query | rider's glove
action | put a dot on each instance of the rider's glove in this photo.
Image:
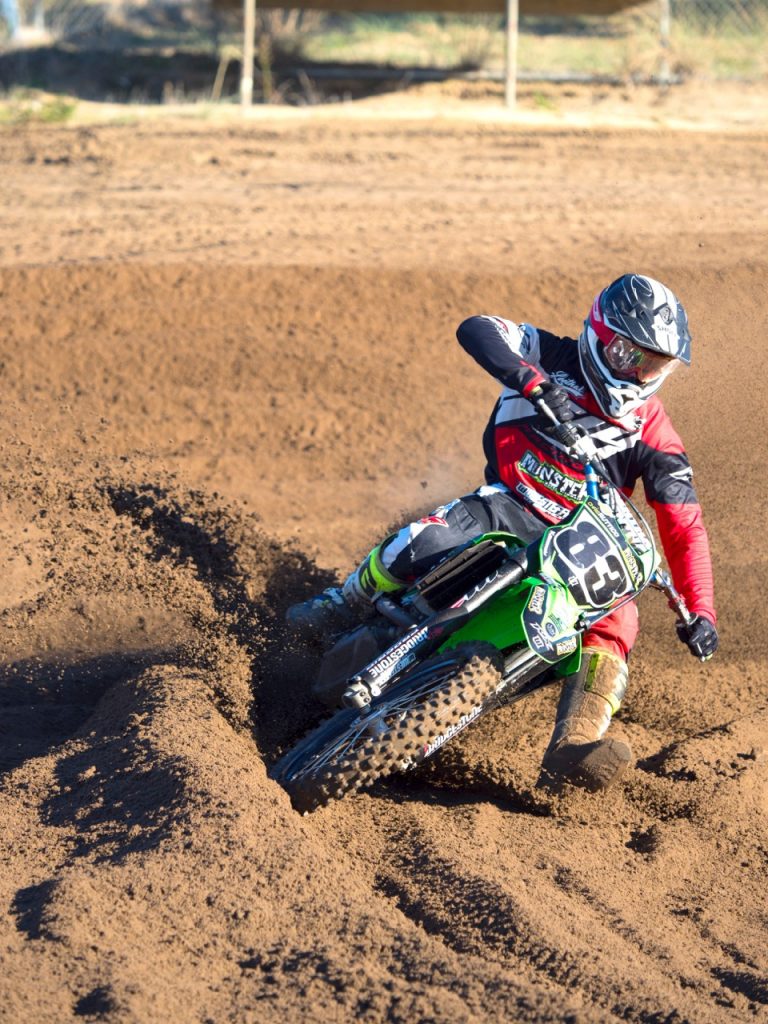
(557, 399)
(700, 635)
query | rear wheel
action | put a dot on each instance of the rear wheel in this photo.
(405, 725)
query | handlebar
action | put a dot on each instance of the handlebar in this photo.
(574, 439)
(661, 581)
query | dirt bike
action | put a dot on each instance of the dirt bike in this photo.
(493, 622)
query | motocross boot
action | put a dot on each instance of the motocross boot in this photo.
(577, 751)
(338, 609)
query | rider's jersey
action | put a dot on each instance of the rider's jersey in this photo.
(542, 476)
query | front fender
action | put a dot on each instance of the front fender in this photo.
(530, 614)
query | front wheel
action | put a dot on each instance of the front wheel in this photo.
(404, 726)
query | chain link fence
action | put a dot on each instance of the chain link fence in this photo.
(720, 38)
(660, 40)
(663, 39)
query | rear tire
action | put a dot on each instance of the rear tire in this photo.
(407, 724)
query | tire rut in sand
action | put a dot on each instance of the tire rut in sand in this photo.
(221, 887)
(560, 917)
(472, 915)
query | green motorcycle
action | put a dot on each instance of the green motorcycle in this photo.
(491, 623)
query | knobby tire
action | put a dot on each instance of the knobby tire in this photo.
(436, 699)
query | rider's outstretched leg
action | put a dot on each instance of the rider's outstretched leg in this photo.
(578, 751)
(340, 608)
(408, 554)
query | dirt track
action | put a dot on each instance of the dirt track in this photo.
(228, 365)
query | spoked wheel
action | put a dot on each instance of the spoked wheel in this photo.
(405, 725)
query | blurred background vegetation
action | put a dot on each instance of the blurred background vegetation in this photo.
(147, 51)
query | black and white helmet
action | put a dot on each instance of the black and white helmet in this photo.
(635, 335)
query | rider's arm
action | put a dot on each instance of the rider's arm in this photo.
(509, 352)
(686, 547)
(667, 477)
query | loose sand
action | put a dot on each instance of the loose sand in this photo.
(228, 365)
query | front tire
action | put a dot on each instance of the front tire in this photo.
(407, 724)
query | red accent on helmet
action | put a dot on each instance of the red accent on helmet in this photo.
(598, 325)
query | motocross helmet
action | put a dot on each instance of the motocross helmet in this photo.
(636, 334)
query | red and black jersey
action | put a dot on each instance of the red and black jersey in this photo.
(542, 477)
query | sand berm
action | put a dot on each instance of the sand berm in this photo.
(228, 364)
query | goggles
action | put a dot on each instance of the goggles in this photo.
(633, 363)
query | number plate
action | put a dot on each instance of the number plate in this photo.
(592, 558)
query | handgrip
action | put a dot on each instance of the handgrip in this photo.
(570, 436)
(567, 435)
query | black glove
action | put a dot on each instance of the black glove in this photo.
(700, 635)
(557, 399)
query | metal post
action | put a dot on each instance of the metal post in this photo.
(9, 12)
(665, 27)
(510, 89)
(249, 33)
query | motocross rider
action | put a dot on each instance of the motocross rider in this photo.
(605, 382)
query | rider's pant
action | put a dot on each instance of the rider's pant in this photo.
(418, 547)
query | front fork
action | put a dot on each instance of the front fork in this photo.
(660, 580)
(423, 638)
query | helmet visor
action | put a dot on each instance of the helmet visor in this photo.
(633, 363)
